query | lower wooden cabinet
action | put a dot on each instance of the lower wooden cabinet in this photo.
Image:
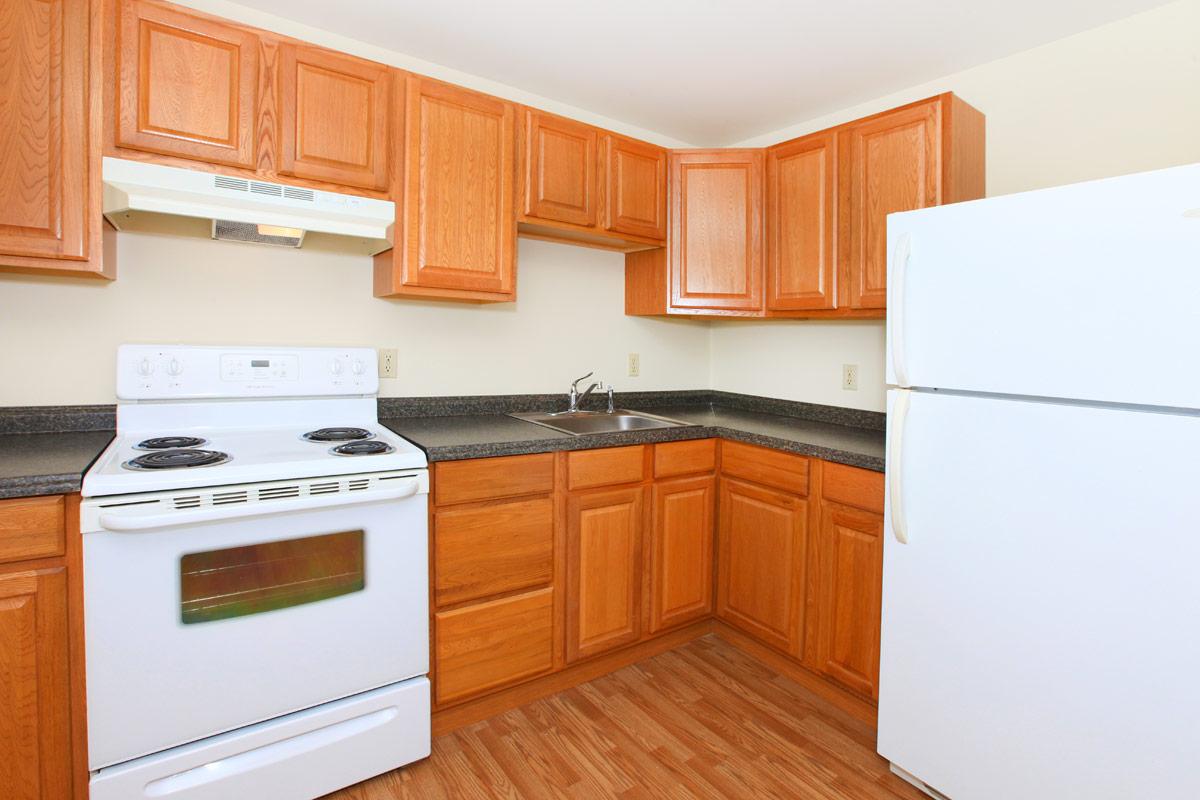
(489, 645)
(681, 551)
(763, 537)
(604, 570)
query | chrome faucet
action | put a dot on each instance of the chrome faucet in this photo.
(574, 398)
(611, 409)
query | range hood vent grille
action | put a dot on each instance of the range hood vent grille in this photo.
(235, 184)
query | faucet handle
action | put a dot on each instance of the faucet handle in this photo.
(575, 383)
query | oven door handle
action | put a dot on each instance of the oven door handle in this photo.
(132, 522)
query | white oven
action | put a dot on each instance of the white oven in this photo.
(210, 610)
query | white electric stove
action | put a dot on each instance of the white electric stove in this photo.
(256, 579)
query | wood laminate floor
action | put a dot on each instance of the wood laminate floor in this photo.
(701, 721)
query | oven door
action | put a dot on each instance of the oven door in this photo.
(202, 619)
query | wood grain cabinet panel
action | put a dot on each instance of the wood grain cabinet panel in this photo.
(635, 187)
(681, 551)
(716, 249)
(481, 551)
(478, 479)
(485, 646)
(458, 214)
(761, 570)
(685, 458)
(35, 726)
(608, 466)
(891, 163)
(785, 471)
(559, 177)
(852, 486)
(801, 181)
(186, 85)
(604, 576)
(849, 595)
(334, 117)
(32, 527)
(49, 178)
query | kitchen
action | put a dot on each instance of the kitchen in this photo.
(771, 424)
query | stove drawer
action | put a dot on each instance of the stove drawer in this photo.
(305, 754)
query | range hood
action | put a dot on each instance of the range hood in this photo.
(152, 197)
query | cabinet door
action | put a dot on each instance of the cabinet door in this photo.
(801, 179)
(849, 590)
(681, 551)
(460, 221)
(485, 646)
(560, 159)
(717, 230)
(635, 188)
(186, 85)
(44, 157)
(35, 726)
(890, 163)
(334, 117)
(604, 576)
(762, 545)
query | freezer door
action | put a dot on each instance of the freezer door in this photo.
(1086, 292)
(1039, 627)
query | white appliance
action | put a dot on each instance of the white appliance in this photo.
(255, 581)
(1040, 597)
(139, 195)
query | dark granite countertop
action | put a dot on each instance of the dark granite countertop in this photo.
(47, 463)
(450, 438)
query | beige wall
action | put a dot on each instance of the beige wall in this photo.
(568, 319)
(1121, 98)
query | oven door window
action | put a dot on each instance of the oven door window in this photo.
(239, 581)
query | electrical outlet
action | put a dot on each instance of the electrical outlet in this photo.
(850, 377)
(387, 363)
(635, 365)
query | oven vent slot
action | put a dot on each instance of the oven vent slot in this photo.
(189, 501)
(229, 498)
(331, 487)
(278, 492)
(359, 484)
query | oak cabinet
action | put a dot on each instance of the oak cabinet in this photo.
(761, 573)
(801, 186)
(681, 551)
(559, 159)
(604, 570)
(456, 220)
(920, 155)
(186, 85)
(49, 170)
(635, 198)
(334, 117)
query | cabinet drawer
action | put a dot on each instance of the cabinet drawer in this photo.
(490, 550)
(31, 528)
(493, 478)
(763, 465)
(685, 458)
(608, 467)
(488, 645)
(851, 486)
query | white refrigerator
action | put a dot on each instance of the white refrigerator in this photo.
(1041, 579)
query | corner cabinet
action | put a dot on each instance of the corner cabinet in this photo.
(50, 67)
(801, 187)
(455, 206)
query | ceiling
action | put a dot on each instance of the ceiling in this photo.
(706, 72)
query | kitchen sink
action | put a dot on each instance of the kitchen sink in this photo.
(581, 423)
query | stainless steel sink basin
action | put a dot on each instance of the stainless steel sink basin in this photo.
(580, 423)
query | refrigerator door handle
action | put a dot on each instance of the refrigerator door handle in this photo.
(900, 258)
(895, 471)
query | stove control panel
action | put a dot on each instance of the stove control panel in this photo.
(166, 372)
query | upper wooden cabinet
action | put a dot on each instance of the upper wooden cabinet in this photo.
(186, 85)
(716, 247)
(456, 222)
(559, 159)
(920, 155)
(49, 171)
(801, 185)
(334, 117)
(635, 188)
